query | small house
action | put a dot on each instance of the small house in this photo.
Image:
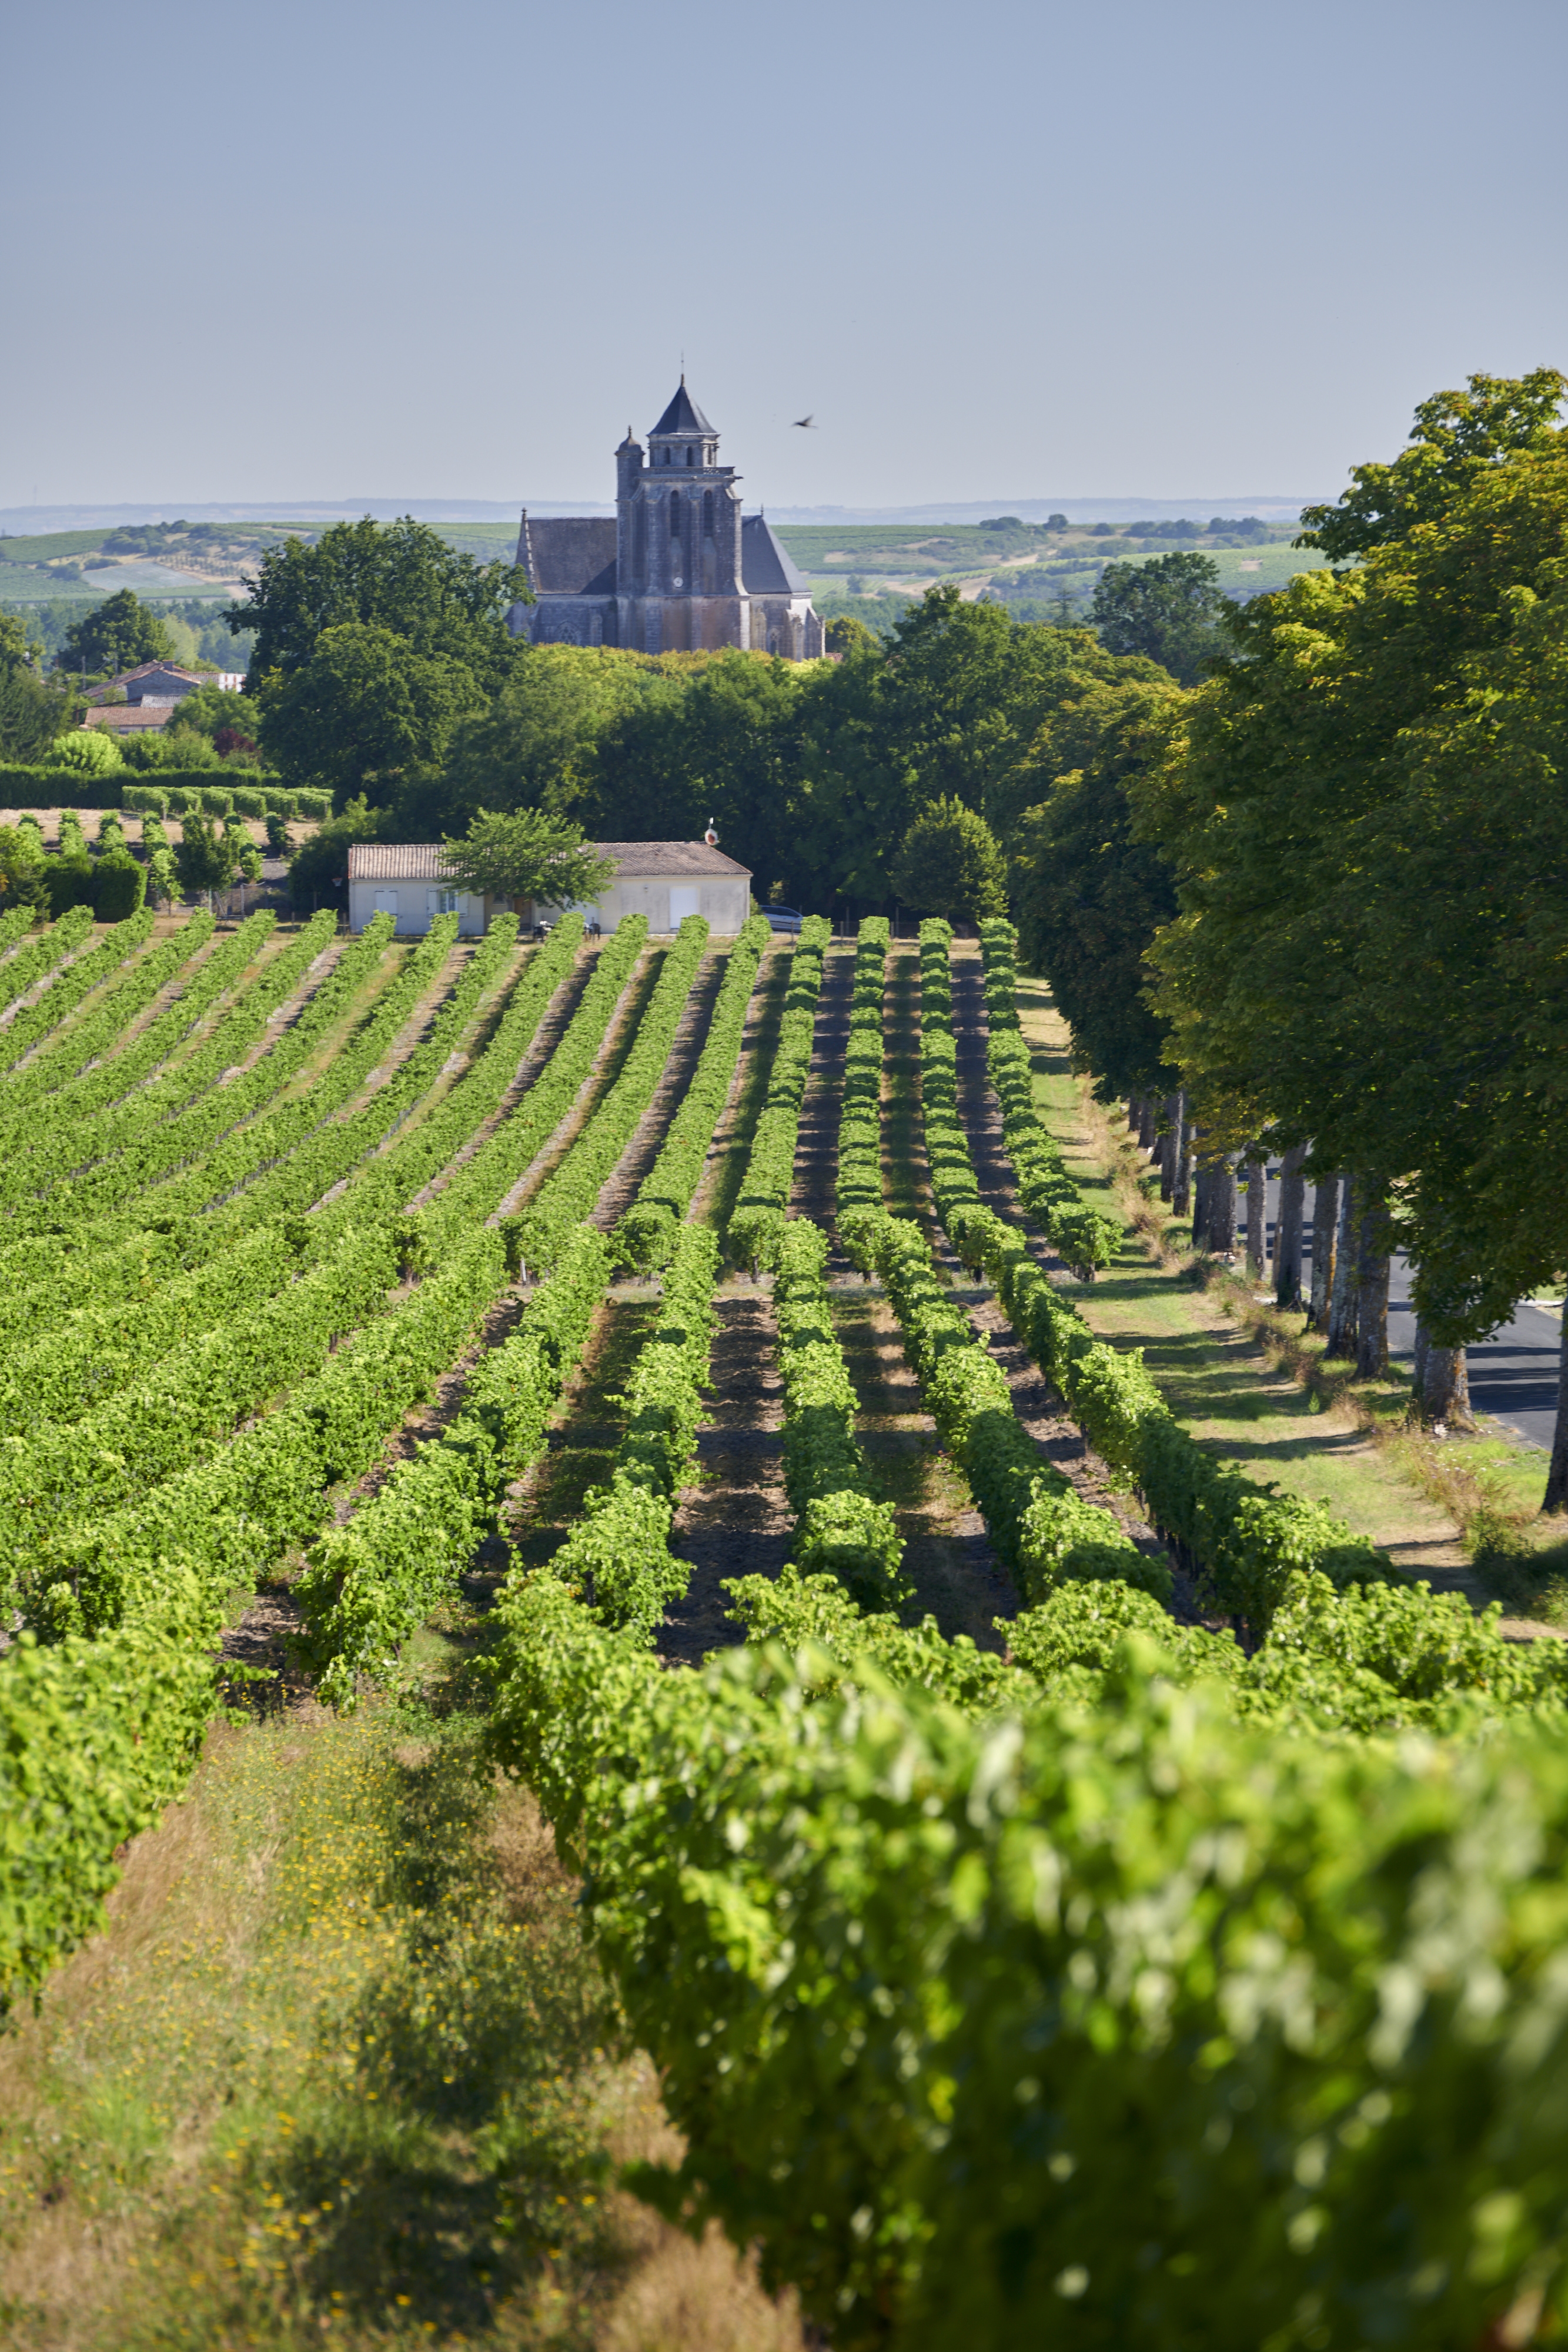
(665, 880)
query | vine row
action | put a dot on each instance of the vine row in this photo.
(758, 1219)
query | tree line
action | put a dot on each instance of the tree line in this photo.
(1317, 904)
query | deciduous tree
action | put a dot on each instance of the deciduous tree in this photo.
(1087, 896)
(527, 853)
(1170, 610)
(400, 577)
(364, 706)
(117, 635)
(948, 864)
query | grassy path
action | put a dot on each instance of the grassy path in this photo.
(342, 2071)
(1213, 1375)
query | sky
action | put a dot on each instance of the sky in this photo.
(1187, 250)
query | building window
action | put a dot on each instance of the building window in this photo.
(691, 454)
(707, 514)
(674, 514)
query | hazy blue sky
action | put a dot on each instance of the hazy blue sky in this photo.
(325, 248)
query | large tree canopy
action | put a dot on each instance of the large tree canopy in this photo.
(948, 864)
(401, 577)
(117, 635)
(527, 853)
(1088, 897)
(1170, 610)
(1457, 436)
(1369, 820)
(365, 705)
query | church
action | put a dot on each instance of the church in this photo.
(678, 569)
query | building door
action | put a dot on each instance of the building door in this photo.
(386, 903)
(685, 899)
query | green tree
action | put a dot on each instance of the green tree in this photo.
(1170, 610)
(1456, 438)
(32, 711)
(715, 743)
(844, 631)
(536, 745)
(204, 860)
(364, 706)
(68, 878)
(210, 711)
(118, 886)
(23, 880)
(162, 878)
(398, 577)
(86, 752)
(1367, 813)
(117, 635)
(1089, 898)
(527, 853)
(948, 864)
(318, 865)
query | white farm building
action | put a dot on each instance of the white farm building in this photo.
(665, 880)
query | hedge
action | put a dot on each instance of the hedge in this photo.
(172, 788)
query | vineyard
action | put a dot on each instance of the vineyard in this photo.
(1061, 1881)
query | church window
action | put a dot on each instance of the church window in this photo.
(674, 514)
(691, 454)
(707, 514)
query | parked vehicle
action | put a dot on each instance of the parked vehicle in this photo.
(783, 919)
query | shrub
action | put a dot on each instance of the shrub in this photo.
(316, 806)
(181, 798)
(86, 752)
(248, 802)
(145, 800)
(119, 887)
(283, 804)
(70, 881)
(217, 800)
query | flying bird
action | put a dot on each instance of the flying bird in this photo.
(806, 425)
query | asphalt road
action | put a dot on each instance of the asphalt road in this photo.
(1513, 1375)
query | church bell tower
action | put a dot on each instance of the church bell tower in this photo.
(678, 535)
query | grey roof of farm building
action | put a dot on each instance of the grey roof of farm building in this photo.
(682, 415)
(636, 859)
(418, 861)
(391, 861)
(767, 570)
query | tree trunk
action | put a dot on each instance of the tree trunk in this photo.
(1342, 1293)
(1418, 1365)
(1221, 1225)
(1170, 1136)
(1135, 1112)
(1146, 1136)
(1556, 1497)
(1257, 1219)
(1181, 1178)
(1372, 1287)
(1445, 1390)
(1202, 1188)
(1288, 1234)
(1325, 1208)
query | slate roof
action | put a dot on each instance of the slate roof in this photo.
(766, 570)
(569, 555)
(130, 680)
(682, 415)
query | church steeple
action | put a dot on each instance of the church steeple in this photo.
(683, 435)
